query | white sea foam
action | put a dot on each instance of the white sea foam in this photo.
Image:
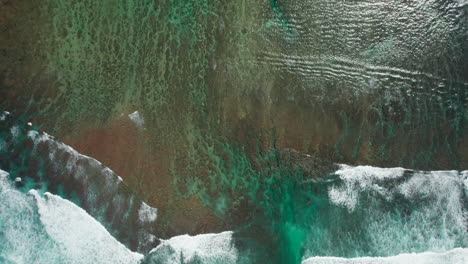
(4, 115)
(462, 3)
(74, 156)
(137, 119)
(440, 185)
(48, 229)
(99, 187)
(147, 214)
(23, 239)
(80, 236)
(205, 248)
(454, 256)
(358, 179)
(14, 131)
(404, 210)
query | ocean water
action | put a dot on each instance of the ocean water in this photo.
(426, 224)
(353, 214)
(39, 161)
(247, 131)
(45, 228)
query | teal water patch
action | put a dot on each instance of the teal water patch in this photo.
(281, 19)
(278, 200)
(279, 204)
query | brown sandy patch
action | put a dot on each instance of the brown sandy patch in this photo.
(126, 149)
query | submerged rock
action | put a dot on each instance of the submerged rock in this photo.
(312, 166)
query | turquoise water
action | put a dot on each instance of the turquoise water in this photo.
(352, 212)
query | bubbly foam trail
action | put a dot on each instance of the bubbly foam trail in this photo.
(205, 248)
(49, 229)
(454, 256)
(80, 236)
(137, 119)
(359, 179)
(95, 187)
(390, 182)
(371, 211)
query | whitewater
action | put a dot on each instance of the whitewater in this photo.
(371, 215)
(45, 228)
